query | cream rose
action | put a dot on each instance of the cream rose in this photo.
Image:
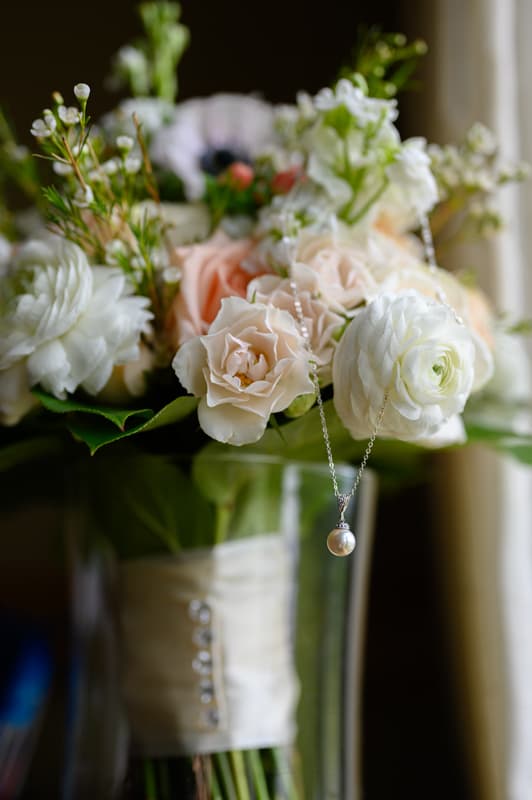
(412, 350)
(220, 267)
(252, 363)
(344, 279)
(322, 323)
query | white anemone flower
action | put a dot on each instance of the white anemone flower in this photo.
(209, 134)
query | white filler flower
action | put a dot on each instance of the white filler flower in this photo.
(415, 351)
(70, 322)
(252, 363)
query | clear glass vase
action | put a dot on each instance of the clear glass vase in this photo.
(240, 636)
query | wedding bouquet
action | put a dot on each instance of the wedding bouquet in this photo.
(223, 272)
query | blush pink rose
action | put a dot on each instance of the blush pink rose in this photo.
(217, 268)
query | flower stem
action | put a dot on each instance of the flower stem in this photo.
(239, 771)
(223, 516)
(150, 783)
(225, 776)
(259, 779)
(283, 770)
(164, 779)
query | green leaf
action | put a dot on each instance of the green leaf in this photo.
(146, 504)
(119, 417)
(97, 426)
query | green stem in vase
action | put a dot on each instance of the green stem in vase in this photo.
(150, 782)
(216, 791)
(283, 770)
(226, 777)
(239, 771)
(257, 771)
(164, 779)
(223, 518)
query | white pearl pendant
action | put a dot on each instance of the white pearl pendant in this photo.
(341, 540)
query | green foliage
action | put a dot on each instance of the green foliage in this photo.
(386, 61)
(98, 426)
(146, 504)
(149, 65)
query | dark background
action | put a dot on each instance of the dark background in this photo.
(410, 738)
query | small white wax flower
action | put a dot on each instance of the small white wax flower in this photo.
(83, 197)
(114, 250)
(60, 168)
(414, 352)
(68, 116)
(124, 143)
(49, 119)
(111, 166)
(40, 129)
(82, 91)
(132, 165)
(252, 363)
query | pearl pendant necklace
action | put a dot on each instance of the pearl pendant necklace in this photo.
(341, 540)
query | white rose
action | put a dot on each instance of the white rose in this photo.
(15, 396)
(322, 323)
(412, 350)
(252, 363)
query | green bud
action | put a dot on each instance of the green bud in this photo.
(300, 405)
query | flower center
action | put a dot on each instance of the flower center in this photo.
(215, 160)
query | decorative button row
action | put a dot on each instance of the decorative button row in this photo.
(200, 612)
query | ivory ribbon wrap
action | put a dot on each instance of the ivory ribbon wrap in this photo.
(208, 657)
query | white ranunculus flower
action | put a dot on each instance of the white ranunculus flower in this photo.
(47, 288)
(106, 334)
(252, 363)
(208, 134)
(322, 323)
(68, 322)
(412, 191)
(451, 433)
(406, 273)
(413, 350)
(15, 396)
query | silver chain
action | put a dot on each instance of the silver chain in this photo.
(430, 254)
(343, 498)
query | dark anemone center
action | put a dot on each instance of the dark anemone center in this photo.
(215, 160)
